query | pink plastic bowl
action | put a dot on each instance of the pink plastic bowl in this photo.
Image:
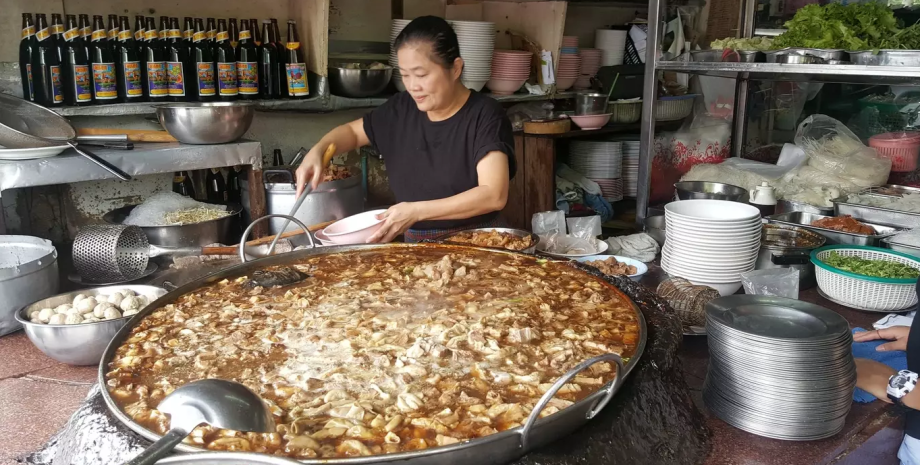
(355, 229)
(902, 148)
(323, 238)
(591, 122)
(505, 86)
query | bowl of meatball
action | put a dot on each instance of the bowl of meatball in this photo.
(75, 327)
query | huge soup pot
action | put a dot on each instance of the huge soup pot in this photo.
(28, 273)
(495, 449)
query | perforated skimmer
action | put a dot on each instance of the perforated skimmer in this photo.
(111, 252)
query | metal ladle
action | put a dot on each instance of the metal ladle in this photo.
(215, 402)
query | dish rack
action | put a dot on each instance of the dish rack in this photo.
(865, 292)
(674, 108)
(625, 112)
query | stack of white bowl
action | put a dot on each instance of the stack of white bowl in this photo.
(613, 44)
(630, 168)
(477, 41)
(397, 26)
(711, 242)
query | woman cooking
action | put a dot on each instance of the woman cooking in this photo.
(449, 152)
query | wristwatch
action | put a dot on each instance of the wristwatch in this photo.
(900, 385)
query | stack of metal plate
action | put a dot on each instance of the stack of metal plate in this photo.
(779, 368)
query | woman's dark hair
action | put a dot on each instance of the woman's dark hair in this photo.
(435, 32)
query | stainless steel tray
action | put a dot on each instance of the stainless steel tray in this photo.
(891, 190)
(876, 215)
(886, 57)
(789, 206)
(516, 232)
(903, 248)
(804, 220)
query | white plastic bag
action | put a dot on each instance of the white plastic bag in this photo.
(833, 149)
(546, 223)
(781, 282)
(586, 227)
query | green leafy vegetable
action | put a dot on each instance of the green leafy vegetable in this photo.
(874, 268)
(754, 43)
(857, 26)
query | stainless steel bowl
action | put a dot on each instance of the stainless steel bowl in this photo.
(516, 232)
(688, 190)
(358, 83)
(218, 231)
(590, 103)
(655, 227)
(206, 123)
(81, 344)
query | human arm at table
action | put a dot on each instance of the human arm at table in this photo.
(346, 137)
(489, 196)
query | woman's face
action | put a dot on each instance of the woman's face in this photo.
(427, 81)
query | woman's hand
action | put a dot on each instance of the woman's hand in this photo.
(311, 168)
(397, 219)
(896, 334)
(872, 377)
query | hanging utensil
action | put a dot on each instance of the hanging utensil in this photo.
(131, 135)
(299, 157)
(327, 157)
(24, 124)
(215, 402)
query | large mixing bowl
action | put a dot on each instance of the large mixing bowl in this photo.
(358, 83)
(206, 123)
(689, 190)
(84, 343)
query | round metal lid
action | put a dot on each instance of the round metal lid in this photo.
(776, 317)
(21, 255)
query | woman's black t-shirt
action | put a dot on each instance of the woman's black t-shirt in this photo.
(912, 424)
(428, 160)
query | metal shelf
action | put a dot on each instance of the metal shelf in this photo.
(852, 74)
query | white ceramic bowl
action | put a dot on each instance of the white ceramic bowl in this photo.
(355, 229)
(711, 243)
(641, 268)
(724, 289)
(712, 210)
(712, 269)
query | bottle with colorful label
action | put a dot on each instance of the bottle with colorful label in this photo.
(295, 65)
(46, 66)
(178, 70)
(113, 32)
(247, 63)
(270, 64)
(203, 60)
(57, 34)
(86, 33)
(128, 65)
(26, 46)
(225, 61)
(155, 59)
(234, 31)
(102, 62)
(78, 81)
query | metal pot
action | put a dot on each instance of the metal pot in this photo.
(331, 201)
(590, 104)
(789, 247)
(28, 272)
(493, 449)
(219, 231)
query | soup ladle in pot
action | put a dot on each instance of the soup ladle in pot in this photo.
(215, 402)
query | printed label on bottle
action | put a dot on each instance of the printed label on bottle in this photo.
(222, 36)
(212, 33)
(113, 34)
(247, 72)
(124, 35)
(233, 44)
(297, 79)
(163, 34)
(82, 85)
(206, 79)
(133, 86)
(157, 82)
(151, 35)
(226, 79)
(187, 34)
(293, 45)
(139, 34)
(57, 92)
(199, 36)
(71, 34)
(244, 34)
(57, 29)
(31, 89)
(174, 34)
(176, 79)
(98, 35)
(86, 32)
(42, 35)
(28, 31)
(104, 82)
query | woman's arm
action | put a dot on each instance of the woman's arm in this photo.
(489, 196)
(346, 137)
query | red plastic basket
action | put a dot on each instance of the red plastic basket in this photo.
(902, 148)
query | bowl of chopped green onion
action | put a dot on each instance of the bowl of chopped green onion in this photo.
(867, 278)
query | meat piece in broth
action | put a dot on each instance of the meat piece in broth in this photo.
(278, 276)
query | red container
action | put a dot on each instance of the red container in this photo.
(902, 148)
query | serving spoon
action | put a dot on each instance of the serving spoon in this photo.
(215, 402)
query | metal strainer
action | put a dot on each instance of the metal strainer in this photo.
(111, 252)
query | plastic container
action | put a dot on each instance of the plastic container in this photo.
(625, 112)
(865, 292)
(674, 108)
(902, 148)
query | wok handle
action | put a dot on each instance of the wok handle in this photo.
(160, 449)
(306, 230)
(597, 407)
(95, 159)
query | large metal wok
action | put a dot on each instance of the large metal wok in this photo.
(495, 449)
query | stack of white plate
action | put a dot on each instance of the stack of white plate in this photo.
(477, 41)
(711, 242)
(630, 168)
(613, 44)
(396, 27)
(779, 367)
(597, 159)
(611, 189)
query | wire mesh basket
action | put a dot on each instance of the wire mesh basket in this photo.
(861, 291)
